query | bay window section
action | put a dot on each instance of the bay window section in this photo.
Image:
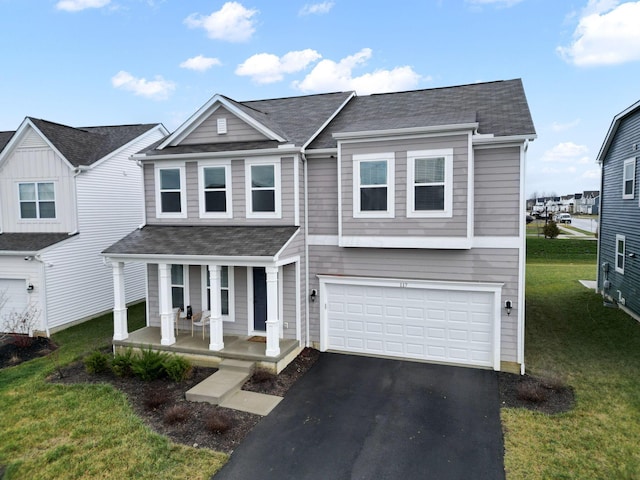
(373, 188)
(429, 188)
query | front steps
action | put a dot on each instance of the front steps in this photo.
(224, 388)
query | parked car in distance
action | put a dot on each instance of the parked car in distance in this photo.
(563, 218)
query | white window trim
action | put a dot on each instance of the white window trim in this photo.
(183, 189)
(227, 179)
(204, 272)
(633, 179)
(248, 190)
(37, 218)
(447, 153)
(618, 253)
(185, 286)
(388, 157)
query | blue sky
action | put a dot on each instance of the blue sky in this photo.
(103, 62)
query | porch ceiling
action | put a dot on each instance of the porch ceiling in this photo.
(222, 241)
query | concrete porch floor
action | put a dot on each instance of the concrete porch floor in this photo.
(196, 349)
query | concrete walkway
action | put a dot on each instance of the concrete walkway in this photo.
(224, 388)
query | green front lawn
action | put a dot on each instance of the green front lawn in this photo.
(571, 335)
(50, 431)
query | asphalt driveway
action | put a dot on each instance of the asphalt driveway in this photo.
(356, 417)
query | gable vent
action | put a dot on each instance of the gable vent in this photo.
(222, 126)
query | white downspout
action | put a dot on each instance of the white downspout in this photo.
(144, 203)
(42, 293)
(306, 247)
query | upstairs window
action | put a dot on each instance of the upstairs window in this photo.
(170, 202)
(628, 178)
(429, 189)
(37, 200)
(263, 189)
(620, 253)
(373, 185)
(215, 191)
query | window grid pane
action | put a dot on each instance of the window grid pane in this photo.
(429, 170)
(27, 191)
(170, 179)
(373, 199)
(215, 201)
(214, 177)
(263, 176)
(373, 173)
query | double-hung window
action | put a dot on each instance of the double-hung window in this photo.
(620, 253)
(263, 188)
(629, 178)
(215, 190)
(429, 189)
(170, 192)
(37, 200)
(374, 185)
(226, 291)
(177, 286)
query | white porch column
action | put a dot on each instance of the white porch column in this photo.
(273, 323)
(120, 331)
(167, 318)
(216, 341)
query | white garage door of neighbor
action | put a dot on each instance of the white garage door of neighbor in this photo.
(449, 326)
(14, 293)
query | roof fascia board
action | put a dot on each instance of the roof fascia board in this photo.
(286, 244)
(17, 137)
(321, 152)
(203, 113)
(368, 134)
(223, 154)
(613, 128)
(194, 259)
(331, 117)
(513, 139)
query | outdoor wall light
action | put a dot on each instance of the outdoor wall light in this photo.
(313, 295)
(30, 288)
(508, 306)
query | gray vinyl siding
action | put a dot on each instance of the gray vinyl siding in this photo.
(238, 193)
(322, 181)
(621, 216)
(497, 192)
(401, 225)
(237, 130)
(477, 265)
(289, 311)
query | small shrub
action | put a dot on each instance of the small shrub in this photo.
(21, 340)
(551, 230)
(177, 368)
(97, 362)
(155, 398)
(149, 365)
(122, 362)
(176, 414)
(532, 392)
(263, 376)
(218, 422)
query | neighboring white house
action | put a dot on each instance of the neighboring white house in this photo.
(65, 194)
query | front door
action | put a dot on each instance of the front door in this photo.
(259, 299)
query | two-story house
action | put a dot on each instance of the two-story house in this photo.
(619, 229)
(387, 225)
(66, 194)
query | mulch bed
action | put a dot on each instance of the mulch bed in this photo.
(20, 348)
(160, 401)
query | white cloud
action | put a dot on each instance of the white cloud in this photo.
(562, 127)
(157, 89)
(329, 76)
(607, 34)
(593, 174)
(497, 3)
(316, 8)
(78, 5)
(232, 23)
(200, 63)
(567, 152)
(269, 68)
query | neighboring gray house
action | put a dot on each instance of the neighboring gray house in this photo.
(619, 229)
(66, 194)
(387, 225)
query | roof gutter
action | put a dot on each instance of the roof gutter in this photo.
(286, 149)
(394, 132)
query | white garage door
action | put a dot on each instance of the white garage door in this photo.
(14, 294)
(451, 326)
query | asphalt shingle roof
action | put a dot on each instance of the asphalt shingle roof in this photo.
(29, 242)
(86, 145)
(227, 241)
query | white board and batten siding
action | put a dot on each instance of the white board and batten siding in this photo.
(110, 206)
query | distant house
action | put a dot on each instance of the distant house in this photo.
(588, 202)
(386, 225)
(65, 194)
(619, 230)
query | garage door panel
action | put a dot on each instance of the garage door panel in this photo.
(431, 324)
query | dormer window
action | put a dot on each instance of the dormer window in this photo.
(37, 200)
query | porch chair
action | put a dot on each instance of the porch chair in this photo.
(200, 319)
(178, 315)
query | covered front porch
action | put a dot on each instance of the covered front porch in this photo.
(196, 349)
